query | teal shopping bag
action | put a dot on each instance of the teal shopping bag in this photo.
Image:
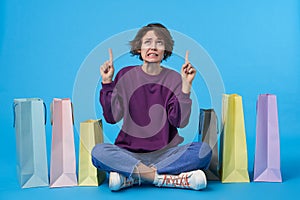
(208, 132)
(29, 123)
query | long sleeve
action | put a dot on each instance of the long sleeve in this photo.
(179, 109)
(111, 103)
(112, 97)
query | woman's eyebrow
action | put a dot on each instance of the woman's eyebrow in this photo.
(150, 38)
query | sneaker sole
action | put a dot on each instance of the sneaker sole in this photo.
(114, 181)
(203, 182)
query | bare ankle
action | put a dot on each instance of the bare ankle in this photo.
(144, 173)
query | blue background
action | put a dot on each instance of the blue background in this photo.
(255, 45)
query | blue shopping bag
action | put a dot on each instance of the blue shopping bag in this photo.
(29, 123)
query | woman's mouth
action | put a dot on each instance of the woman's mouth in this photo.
(152, 54)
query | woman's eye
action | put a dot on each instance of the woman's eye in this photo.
(160, 42)
(147, 42)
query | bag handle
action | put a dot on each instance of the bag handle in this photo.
(45, 112)
(200, 125)
(72, 110)
(14, 113)
(51, 113)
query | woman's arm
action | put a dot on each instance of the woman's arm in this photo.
(111, 103)
(179, 108)
(179, 105)
(109, 98)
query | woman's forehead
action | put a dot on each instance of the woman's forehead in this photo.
(151, 35)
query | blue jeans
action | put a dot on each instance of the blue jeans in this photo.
(174, 160)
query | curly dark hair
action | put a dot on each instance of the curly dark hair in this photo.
(161, 31)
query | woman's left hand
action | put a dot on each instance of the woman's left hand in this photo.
(188, 73)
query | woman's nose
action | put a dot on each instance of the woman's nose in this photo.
(153, 45)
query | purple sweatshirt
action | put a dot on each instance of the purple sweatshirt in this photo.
(152, 108)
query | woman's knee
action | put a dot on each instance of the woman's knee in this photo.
(100, 150)
(204, 153)
(203, 148)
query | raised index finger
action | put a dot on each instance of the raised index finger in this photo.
(187, 57)
(110, 55)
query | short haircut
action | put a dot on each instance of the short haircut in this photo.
(161, 31)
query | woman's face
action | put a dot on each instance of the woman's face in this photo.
(153, 48)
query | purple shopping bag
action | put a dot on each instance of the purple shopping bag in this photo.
(267, 149)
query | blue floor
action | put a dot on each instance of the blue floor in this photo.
(290, 164)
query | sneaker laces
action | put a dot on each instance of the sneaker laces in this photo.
(190, 180)
(177, 181)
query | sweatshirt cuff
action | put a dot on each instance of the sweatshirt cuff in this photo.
(185, 95)
(108, 86)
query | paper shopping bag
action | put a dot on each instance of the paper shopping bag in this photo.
(267, 149)
(208, 131)
(29, 123)
(90, 135)
(63, 161)
(223, 119)
(234, 155)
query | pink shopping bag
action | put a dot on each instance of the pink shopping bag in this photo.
(267, 149)
(63, 161)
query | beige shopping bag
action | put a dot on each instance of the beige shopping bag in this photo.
(90, 135)
(234, 147)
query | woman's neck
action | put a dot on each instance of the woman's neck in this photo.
(151, 68)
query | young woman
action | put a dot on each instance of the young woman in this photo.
(153, 102)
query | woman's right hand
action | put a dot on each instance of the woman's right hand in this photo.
(107, 69)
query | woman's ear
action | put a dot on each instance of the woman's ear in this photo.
(165, 55)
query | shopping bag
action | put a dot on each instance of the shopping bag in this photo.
(223, 119)
(90, 135)
(63, 161)
(208, 132)
(234, 158)
(29, 123)
(267, 148)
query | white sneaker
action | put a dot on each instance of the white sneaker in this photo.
(195, 180)
(117, 181)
